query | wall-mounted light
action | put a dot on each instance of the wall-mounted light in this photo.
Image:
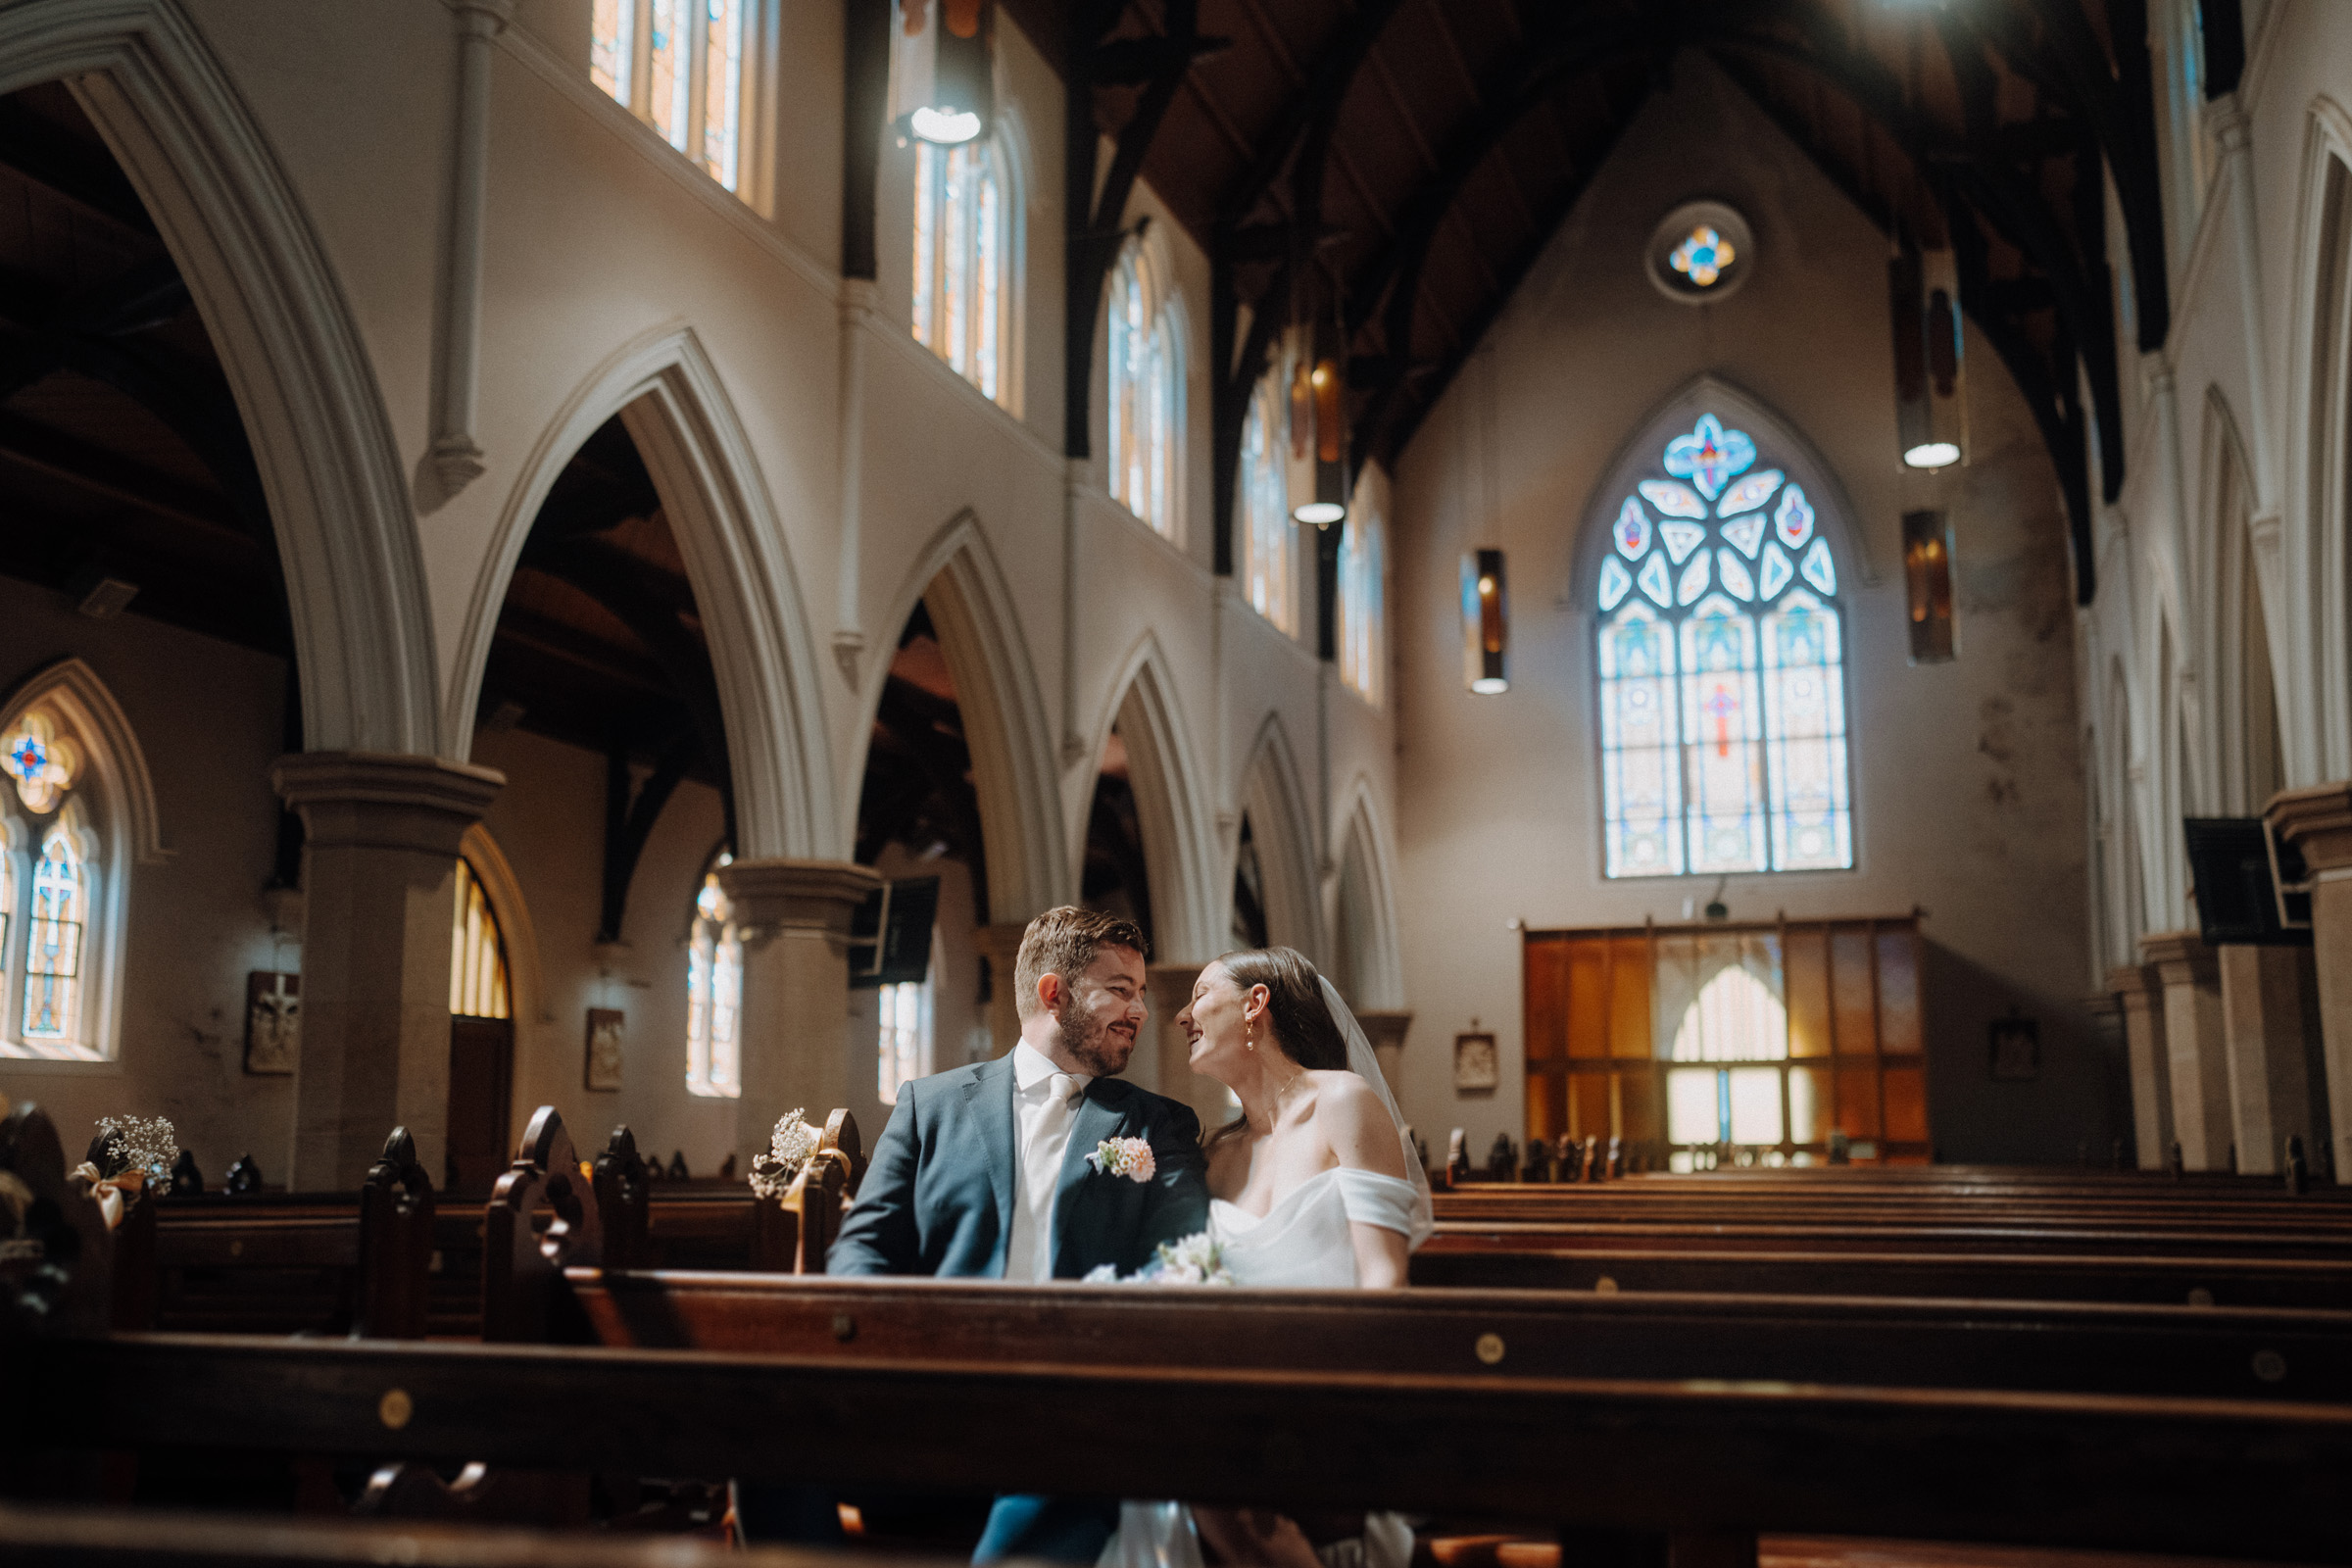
(1485, 622)
(1929, 393)
(1928, 586)
(943, 78)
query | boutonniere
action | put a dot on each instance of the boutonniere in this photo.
(1129, 1157)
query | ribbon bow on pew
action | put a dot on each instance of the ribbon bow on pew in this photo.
(114, 1195)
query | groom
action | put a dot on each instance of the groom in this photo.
(983, 1172)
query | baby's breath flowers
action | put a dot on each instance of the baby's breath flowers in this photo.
(145, 1144)
(788, 1149)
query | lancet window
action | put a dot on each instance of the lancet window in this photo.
(1266, 507)
(1360, 605)
(49, 894)
(1146, 385)
(904, 1048)
(678, 65)
(964, 219)
(713, 994)
(1721, 658)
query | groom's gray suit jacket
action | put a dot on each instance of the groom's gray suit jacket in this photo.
(937, 1197)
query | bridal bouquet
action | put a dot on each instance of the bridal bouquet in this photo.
(1197, 1259)
(788, 1149)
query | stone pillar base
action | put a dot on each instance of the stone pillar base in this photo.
(2193, 1044)
(2140, 994)
(794, 921)
(2318, 821)
(379, 872)
(2269, 1004)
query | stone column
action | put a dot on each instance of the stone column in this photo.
(794, 921)
(1172, 1075)
(2318, 821)
(2140, 995)
(2193, 1045)
(380, 835)
(1000, 946)
(2268, 1012)
(1385, 1027)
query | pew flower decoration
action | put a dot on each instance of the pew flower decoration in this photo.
(137, 1150)
(1129, 1157)
(788, 1149)
(1196, 1259)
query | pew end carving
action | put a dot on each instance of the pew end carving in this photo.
(524, 1298)
(396, 1243)
(623, 1182)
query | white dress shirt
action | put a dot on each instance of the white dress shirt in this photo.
(1044, 1100)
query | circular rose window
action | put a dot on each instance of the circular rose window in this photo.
(1702, 252)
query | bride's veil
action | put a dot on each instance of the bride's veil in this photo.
(1365, 1066)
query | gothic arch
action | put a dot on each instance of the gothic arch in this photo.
(2319, 456)
(1363, 928)
(1736, 409)
(1188, 917)
(669, 397)
(1281, 828)
(329, 466)
(2242, 634)
(957, 579)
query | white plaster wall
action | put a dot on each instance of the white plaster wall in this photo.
(208, 716)
(1967, 786)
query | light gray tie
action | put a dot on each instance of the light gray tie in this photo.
(1041, 1173)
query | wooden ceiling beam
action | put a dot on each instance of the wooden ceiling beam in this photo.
(65, 165)
(38, 449)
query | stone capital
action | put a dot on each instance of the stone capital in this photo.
(2134, 983)
(384, 800)
(2225, 122)
(2317, 821)
(2180, 957)
(810, 896)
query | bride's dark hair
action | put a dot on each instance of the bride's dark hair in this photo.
(1302, 1021)
(1303, 1024)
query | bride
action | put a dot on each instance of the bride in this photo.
(1315, 1186)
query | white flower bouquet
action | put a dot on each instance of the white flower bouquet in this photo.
(1196, 1259)
(788, 1149)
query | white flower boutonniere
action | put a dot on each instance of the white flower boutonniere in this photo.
(1129, 1157)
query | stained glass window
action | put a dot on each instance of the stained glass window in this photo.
(1146, 386)
(960, 242)
(1721, 663)
(644, 54)
(713, 994)
(904, 1048)
(42, 762)
(478, 953)
(1266, 506)
(1362, 541)
(53, 937)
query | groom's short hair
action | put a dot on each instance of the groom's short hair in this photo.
(1064, 942)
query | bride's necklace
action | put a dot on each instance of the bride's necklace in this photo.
(1282, 1093)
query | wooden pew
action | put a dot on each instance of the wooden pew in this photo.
(2241, 1478)
(2253, 1354)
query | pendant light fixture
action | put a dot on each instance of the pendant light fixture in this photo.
(1485, 622)
(1930, 401)
(942, 70)
(1321, 392)
(1927, 587)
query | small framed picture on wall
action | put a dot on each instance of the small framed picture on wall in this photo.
(2014, 1053)
(605, 1033)
(1477, 1069)
(273, 1022)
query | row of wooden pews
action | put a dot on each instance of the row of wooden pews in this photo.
(1615, 1417)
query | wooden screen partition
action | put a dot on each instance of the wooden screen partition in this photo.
(1765, 1036)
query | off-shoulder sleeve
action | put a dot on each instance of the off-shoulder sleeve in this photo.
(1376, 1200)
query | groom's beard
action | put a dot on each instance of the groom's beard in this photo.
(1091, 1044)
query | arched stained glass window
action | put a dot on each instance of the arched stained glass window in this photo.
(53, 935)
(1146, 386)
(478, 953)
(677, 65)
(713, 994)
(1721, 663)
(1266, 507)
(1362, 541)
(962, 236)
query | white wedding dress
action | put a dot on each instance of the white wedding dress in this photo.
(1302, 1243)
